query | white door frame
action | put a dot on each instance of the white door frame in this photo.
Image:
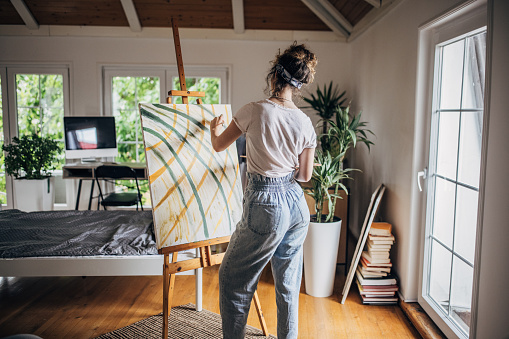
(465, 18)
(9, 106)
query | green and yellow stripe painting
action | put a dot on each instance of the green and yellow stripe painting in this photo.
(196, 192)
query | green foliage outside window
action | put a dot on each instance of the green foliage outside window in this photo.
(40, 107)
(40, 110)
(208, 85)
(128, 92)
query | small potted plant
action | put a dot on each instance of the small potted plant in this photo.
(30, 159)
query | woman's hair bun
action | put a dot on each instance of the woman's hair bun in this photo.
(300, 63)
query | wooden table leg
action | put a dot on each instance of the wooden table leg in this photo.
(260, 314)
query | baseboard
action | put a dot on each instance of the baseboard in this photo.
(421, 321)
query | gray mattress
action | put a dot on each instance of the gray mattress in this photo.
(75, 233)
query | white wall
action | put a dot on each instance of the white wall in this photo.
(384, 76)
(249, 62)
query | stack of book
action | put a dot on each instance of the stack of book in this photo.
(374, 280)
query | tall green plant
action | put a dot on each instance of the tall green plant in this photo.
(31, 156)
(346, 131)
(327, 175)
(326, 102)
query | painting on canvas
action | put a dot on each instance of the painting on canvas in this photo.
(196, 192)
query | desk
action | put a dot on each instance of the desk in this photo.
(86, 171)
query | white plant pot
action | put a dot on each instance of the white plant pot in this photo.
(320, 256)
(34, 194)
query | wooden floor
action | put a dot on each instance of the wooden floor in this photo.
(76, 307)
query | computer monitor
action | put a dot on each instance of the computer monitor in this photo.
(90, 137)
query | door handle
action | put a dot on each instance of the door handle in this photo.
(422, 174)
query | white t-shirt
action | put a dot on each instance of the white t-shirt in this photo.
(275, 137)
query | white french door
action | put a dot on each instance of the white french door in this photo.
(35, 100)
(453, 180)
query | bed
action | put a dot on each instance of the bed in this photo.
(81, 243)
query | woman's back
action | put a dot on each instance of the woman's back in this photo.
(275, 136)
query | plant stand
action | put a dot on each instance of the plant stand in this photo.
(320, 256)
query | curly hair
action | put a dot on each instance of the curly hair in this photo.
(299, 61)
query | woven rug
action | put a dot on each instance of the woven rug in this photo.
(185, 322)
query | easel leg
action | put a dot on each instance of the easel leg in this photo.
(198, 273)
(168, 287)
(258, 307)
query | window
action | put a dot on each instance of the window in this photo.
(211, 87)
(454, 171)
(37, 98)
(127, 93)
(40, 107)
(125, 88)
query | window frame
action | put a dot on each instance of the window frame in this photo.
(166, 75)
(10, 118)
(455, 24)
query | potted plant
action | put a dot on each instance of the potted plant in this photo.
(322, 241)
(29, 160)
(341, 131)
(344, 132)
(326, 102)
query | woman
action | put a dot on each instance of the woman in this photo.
(280, 138)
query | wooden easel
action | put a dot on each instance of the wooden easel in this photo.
(206, 258)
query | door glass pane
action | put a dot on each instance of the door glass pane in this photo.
(28, 120)
(53, 123)
(451, 219)
(452, 75)
(461, 293)
(40, 107)
(444, 211)
(127, 93)
(466, 223)
(448, 132)
(473, 87)
(27, 90)
(3, 189)
(470, 148)
(211, 87)
(52, 91)
(440, 275)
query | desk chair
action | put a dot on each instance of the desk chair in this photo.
(113, 172)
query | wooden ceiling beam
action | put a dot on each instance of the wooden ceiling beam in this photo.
(330, 16)
(131, 15)
(25, 14)
(374, 3)
(238, 16)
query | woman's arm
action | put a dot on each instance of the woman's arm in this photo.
(222, 139)
(306, 160)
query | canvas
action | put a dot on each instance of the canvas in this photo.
(196, 192)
